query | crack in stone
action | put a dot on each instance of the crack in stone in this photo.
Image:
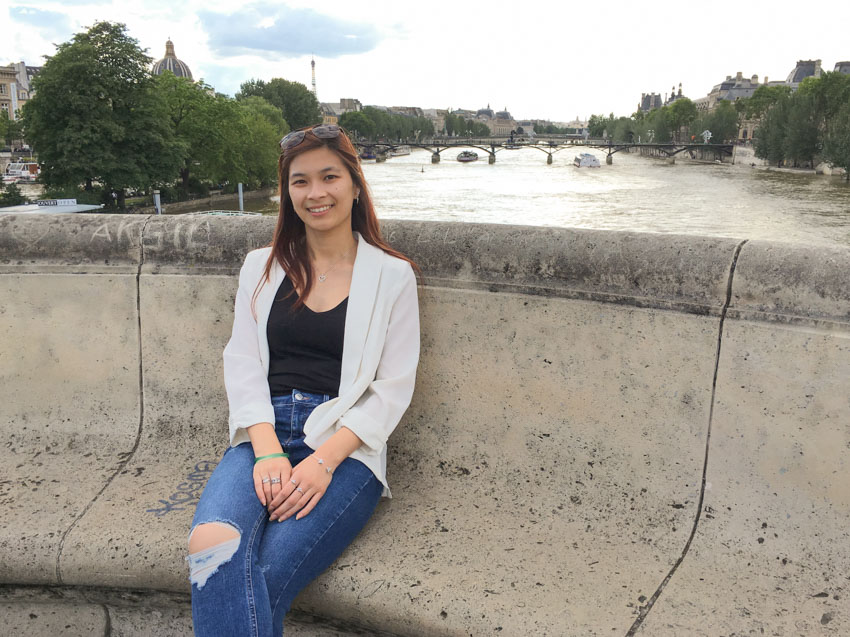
(125, 462)
(645, 609)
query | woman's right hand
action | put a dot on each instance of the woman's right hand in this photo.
(275, 472)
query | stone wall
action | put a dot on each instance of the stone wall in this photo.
(612, 433)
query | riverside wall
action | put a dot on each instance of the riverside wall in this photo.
(612, 433)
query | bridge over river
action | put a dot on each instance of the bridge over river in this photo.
(548, 146)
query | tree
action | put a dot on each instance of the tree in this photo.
(770, 134)
(220, 140)
(358, 124)
(596, 125)
(11, 130)
(264, 127)
(12, 196)
(827, 95)
(763, 99)
(836, 145)
(802, 134)
(93, 115)
(297, 104)
(682, 113)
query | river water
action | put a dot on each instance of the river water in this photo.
(635, 193)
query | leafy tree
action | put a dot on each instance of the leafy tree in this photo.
(722, 122)
(826, 95)
(836, 145)
(12, 196)
(298, 105)
(93, 115)
(11, 130)
(682, 113)
(263, 127)
(596, 125)
(763, 99)
(262, 108)
(770, 134)
(802, 134)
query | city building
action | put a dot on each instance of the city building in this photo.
(730, 89)
(437, 117)
(171, 63)
(408, 111)
(842, 67)
(15, 87)
(804, 69)
(648, 101)
(331, 111)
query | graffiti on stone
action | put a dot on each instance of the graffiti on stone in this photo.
(186, 493)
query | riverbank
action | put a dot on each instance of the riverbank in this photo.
(216, 201)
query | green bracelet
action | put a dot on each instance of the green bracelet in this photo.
(271, 455)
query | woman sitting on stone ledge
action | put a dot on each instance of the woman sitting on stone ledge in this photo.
(319, 369)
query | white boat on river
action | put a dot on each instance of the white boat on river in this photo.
(588, 160)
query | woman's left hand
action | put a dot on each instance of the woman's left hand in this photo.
(306, 486)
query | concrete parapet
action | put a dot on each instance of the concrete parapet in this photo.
(612, 433)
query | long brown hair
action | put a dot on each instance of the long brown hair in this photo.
(289, 245)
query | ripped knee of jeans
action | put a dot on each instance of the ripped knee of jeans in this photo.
(210, 544)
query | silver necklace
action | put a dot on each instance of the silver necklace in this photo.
(324, 276)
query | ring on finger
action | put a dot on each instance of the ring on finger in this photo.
(293, 482)
(266, 480)
(275, 480)
(299, 489)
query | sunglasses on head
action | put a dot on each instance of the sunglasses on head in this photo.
(322, 131)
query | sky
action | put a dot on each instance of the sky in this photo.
(551, 60)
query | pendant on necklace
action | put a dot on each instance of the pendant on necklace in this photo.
(322, 278)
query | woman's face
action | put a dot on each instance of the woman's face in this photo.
(321, 190)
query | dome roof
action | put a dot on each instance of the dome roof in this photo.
(171, 63)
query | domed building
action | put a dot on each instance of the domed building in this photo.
(171, 63)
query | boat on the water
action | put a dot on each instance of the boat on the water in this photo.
(588, 160)
(21, 172)
(467, 156)
(367, 153)
(398, 151)
(512, 146)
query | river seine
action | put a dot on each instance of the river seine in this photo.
(635, 193)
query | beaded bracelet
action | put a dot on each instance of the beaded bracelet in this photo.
(271, 455)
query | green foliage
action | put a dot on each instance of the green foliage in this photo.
(94, 115)
(11, 130)
(358, 124)
(372, 123)
(763, 99)
(722, 122)
(770, 134)
(802, 137)
(836, 145)
(11, 196)
(596, 125)
(263, 128)
(297, 104)
(682, 113)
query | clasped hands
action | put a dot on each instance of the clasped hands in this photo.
(285, 491)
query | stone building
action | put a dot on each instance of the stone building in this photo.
(15, 87)
(331, 111)
(842, 67)
(730, 89)
(171, 63)
(648, 101)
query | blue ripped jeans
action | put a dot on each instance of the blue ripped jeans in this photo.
(251, 589)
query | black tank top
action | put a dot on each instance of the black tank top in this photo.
(305, 347)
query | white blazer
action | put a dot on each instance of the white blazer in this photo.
(379, 356)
